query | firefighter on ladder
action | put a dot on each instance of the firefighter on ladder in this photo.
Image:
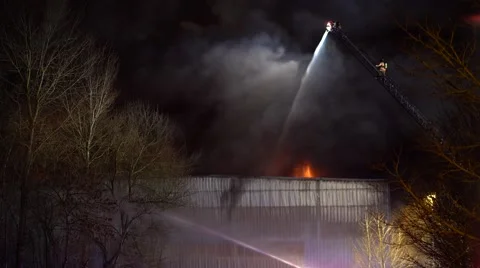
(382, 68)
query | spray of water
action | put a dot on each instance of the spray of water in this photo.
(225, 237)
(314, 58)
(300, 90)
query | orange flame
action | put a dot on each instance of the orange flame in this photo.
(304, 171)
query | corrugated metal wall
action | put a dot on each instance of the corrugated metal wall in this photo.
(304, 222)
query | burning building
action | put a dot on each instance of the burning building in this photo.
(277, 222)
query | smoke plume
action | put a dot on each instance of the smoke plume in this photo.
(230, 81)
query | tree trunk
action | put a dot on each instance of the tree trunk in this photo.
(22, 220)
(67, 241)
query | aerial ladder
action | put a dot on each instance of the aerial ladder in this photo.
(335, 29)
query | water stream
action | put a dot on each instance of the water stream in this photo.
(207, 230)
(301, 90)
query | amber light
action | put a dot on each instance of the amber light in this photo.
(304, 171)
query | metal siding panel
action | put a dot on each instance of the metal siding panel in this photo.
(281, 209)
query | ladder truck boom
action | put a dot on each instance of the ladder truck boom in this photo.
(335, 29)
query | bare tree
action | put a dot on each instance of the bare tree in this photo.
(447, 233)
(147, 178)
(80, 177)
(382, 244)
(146, 152)
(427, 227)
(87, 109)
(83, 137)
(44, 66)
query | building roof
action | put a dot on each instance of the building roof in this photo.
(379, 180)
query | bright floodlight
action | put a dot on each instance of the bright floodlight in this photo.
(430, 199)
(329, 26)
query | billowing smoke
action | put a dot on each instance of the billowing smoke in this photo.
(256, 89)
(230, 84)
(240, 92)
(247, 86)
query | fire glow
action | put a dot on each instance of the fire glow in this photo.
(304, 171)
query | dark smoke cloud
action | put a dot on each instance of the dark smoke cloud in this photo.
(230, 85)
(251, 82)
(257, 90)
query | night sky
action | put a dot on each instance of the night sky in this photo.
(227, 72)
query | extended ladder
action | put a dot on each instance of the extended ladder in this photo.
(386, 82)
